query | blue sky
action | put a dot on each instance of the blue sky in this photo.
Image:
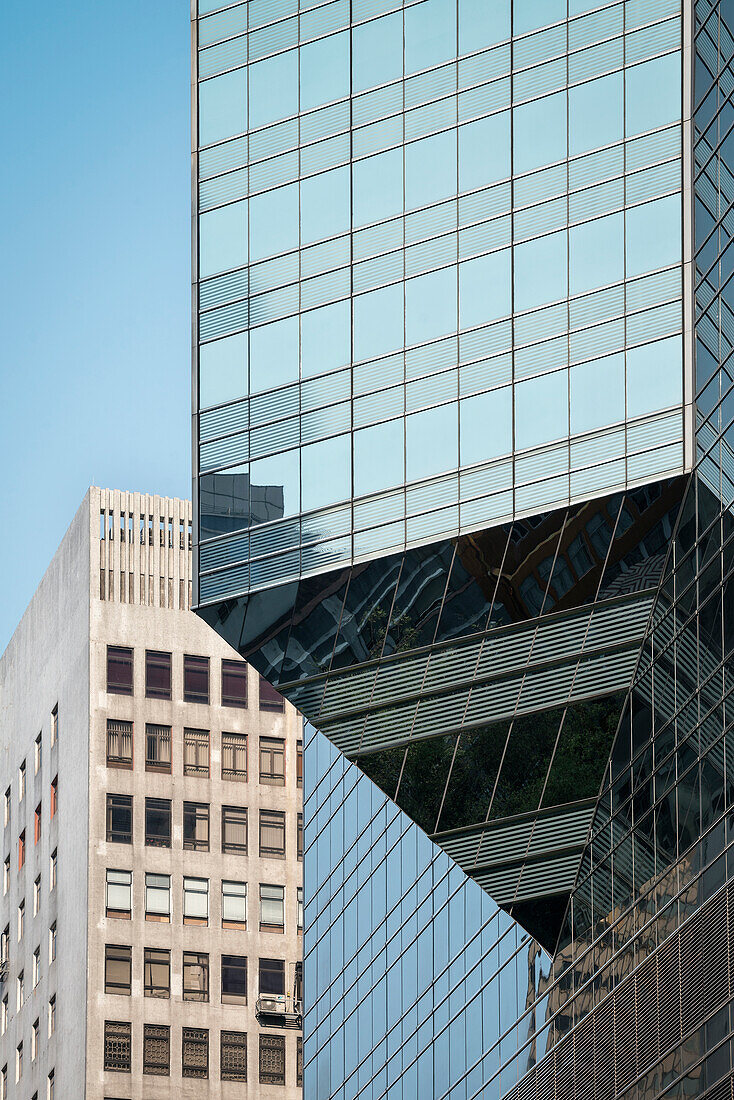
(95, 276)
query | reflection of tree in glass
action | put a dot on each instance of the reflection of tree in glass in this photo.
(424, 780)
(372, 631)
(583, 750)
(383, 768)
(472, 777)
(525, 766)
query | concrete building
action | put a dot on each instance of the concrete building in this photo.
(151, 898)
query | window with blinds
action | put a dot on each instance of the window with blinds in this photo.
(119, 743)
(196, 752)
(234, 756)
(272, 908)
(272, 761)
(272, 833)
(157, 748)
(234, 829)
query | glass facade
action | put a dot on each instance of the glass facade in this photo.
(465, 475)
(440, 286)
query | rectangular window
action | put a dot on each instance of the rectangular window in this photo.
(234, 829)
(54, 796)
(4, 1015)
(34, 1040)
(5, 944)
(272, 908)
(194, 1052)
(157, 1049)
(299, 1061)
(157, 674)
(19, 1062)
(21, 782)
(6, 813)
(272, 761)
(272, 834)
(119, 743)
(20, 991)
(36, 895)
(271, 977)
(299, 901)
(158, 822)
(119, 901)
(195, 900)
(119, 670)
(117, 1046)
(118, 969)
(51, 1086)
(37, 756)
(272, 1059)
(196, 679)
(233, 1063)
(21, 850)
(234, 684)
(196, 826)
(37, 824)
(54, 725)
(196, 752)
(157, 897)
(157, 748)
(195, 976)
(299, 836)
(21, 919)
(234, 904)
(36, 972)
(51, 1015)
(52, 871)
(120, 818)
(234, 980)
(270, 699)
(52, 943)
(6, 875)
(157, 972)
(234, 757)
(299, 763)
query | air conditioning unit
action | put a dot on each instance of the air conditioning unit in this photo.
(274, 1004)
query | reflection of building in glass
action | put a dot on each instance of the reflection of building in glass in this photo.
(457, 298)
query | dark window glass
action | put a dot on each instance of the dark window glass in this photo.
(117, 1046)
(234, 684)
(118, 966)
(299, 836)
(299, 763)
(157, 674)
(270, 699)
(194, 1052)
(234, 829)
(299, 1061)
(195, 976)
(272, 976)
(120, 818)
(272, 1060)
(157, 748)
(119, 670)
(196, 826)
(196, 679)
(234, 979)
(157, 972)
(234, 1056)
(119, 743)
(272, 761)
(157, 1049)
(272, 833)
(158, 822)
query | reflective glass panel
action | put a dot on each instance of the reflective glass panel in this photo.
(379, 457)
(482, 24)
(539, 132)
(273, 89)
(327, 472)
(654, 235)
(541, 409)
(529, 15)
(324, 70)
(223, 370)
(378, 187)
(430, 305)
(325, 338)
(541, 271)
(274, 354)
(274, 488)
(485, 289)
(274, 222)
(325, 205)
(486, 425)
(654, 376)
(378, 322)
(223, 106)
(597, 253)
(597, 393)
(484, 151)
(596, 112)
(430, 169)
(430, 34)
(377, 52)
(432, 444)
(653, 94)
(223, 239)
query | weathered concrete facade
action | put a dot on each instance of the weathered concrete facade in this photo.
(121, 578)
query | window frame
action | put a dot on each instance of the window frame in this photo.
(236, 964)
(159, 736)
(190, 961)
(163, 807)
(194, 665)
(237, 670)
(158, 660)
(191, 888)
(124, 802)
(120, 1031)
(119, 953)
(156, 1034)
(199, 811)
(124, 656)
(150, 988)
(274, 820)
(274, 748)
(232, 751)
(267, 925)
(193, 1038)
(230, 922)
(113, 911)
(196, 739)
(228, 846)
(113, 759)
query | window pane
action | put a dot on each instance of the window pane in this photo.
(324, 70)
(379, 457)
(325, 339)
(378, 322)
(222, 107)
(430, 169)
(234, 684)
(158, 822)
(196, 679)
(272, 976)
(597, 253)
(541, 271)
(430, 305)
(326, 472)
(224, 501)
(654, 376)
(195, 976)
(270, 699)
(539, 132)
(273, 89)
(484, 152)
(432, 441)
(223, 370)
(234, 829)
(119, 670)
(596, 112)
(597, 393)
(157, 748)
(430, 34)
(377, 52)
(325, 205)
(654, 235)
(234, 756)
(274, 222)
(234, 902)
(541, 409)
(274, 354)
(485, 289)
(157, 674)
(157, 972)
(120, 818)
(234, 979)
(223, 239)
(378, 187)
(653, 94)
(486, 426)
(482, 24)
(529, 15)
(275, 487)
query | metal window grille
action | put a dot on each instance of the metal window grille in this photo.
(272, 1060)
(156, 1050)
(157, 748)
(272, 761)
(233, 1061)
(194, 1052)
(119, 743)
(117, 1046)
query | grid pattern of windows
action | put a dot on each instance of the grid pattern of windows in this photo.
(385, 297)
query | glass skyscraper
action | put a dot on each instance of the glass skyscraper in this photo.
(464, 474)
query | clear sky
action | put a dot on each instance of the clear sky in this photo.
(95, 267)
